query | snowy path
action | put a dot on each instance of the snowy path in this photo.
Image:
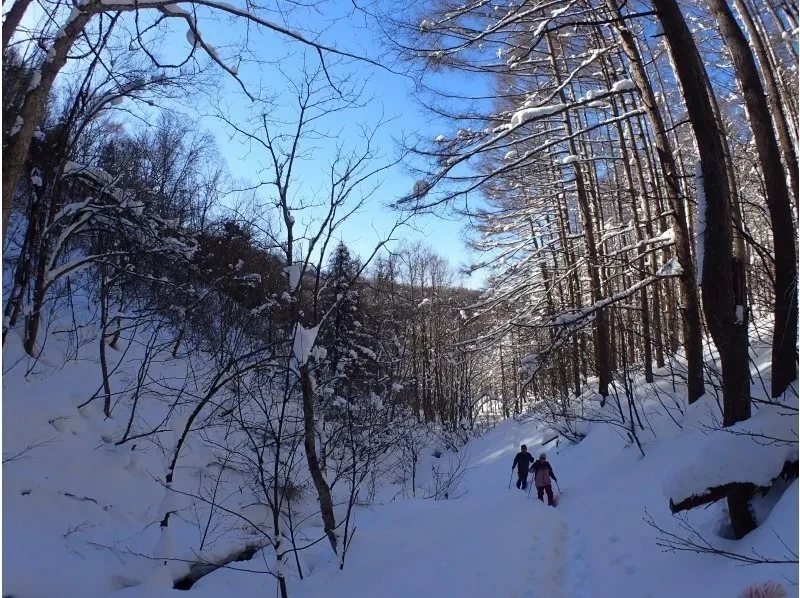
(494, 541)
(495, 544)
(557, 568)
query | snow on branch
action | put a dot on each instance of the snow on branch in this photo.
(670, 269)
(115, 211)
(304, 339)
(171, 8)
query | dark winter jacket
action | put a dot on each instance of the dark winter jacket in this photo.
(521, 462)
(542, 472)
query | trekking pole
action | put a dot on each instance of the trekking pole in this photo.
(529, 487)
(511, 478)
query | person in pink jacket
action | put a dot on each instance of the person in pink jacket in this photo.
(542, 472)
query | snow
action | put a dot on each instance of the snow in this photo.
(530, 363)
(251, 279)
(304, 339)
(510, 155)
(624, 85)
(524, 115)
(82, 514)
(700, 220)
(62, 31)
(440, 139)
(36, 80)
(17, 126)
(741, 453)
(571, 159)
(293, 273)
(671, 268)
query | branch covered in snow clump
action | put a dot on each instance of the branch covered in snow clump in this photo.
(752, 453)
(304, 339)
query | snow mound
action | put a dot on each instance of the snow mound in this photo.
(753, 451)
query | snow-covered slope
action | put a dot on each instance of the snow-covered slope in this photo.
(81, 515)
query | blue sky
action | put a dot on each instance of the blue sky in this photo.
(392, 95)
(393, 99)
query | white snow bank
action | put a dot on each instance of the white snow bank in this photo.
(752, 451)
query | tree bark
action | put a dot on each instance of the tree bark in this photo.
(784, 353)
(692, 328)
(719, 281)
(13, 19)
(32, 109)
(782, 128)
(601, 336)
(309, 440)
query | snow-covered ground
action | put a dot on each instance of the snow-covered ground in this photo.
(81, 515)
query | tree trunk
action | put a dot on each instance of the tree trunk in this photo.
(30, 114)
(719, 281)
(309, 440)
(13, 19)
(104, 299)
(782, 128)
(601, 336)
(692, 328)
(784, 354)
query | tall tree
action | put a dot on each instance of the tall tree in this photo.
(722, 292)
(784, 343)
(693, 338)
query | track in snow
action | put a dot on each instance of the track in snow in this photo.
(556, 566)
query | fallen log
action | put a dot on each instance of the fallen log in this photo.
(715, 493)
(711, 495)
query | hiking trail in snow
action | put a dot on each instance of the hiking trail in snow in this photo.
(557, 567)
(493, 541)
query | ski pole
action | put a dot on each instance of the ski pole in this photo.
(511, 478)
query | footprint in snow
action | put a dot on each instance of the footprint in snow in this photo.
(618, 559)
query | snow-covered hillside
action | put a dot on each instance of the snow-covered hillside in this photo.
(81, 514)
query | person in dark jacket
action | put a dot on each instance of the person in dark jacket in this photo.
(542, 472)
(521, 461)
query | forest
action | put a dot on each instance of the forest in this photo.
(626, 178)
